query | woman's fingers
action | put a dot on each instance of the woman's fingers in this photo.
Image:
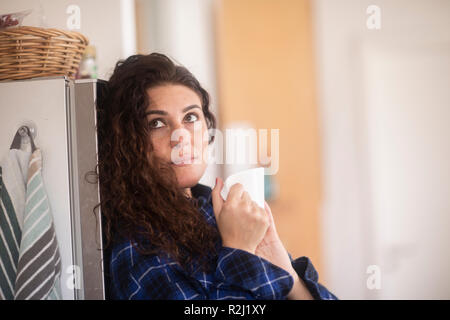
(268, 211)
(246, 198)
(251, 205)
(270, 216)
(216, 197)
(241, 222)
(235, 192)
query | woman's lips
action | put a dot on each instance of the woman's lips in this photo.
(184, 161)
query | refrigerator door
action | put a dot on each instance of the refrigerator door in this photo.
(62, 114)
(42, 104)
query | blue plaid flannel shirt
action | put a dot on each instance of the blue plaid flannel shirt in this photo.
(238, 274)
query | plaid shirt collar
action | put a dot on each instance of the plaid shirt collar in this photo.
(202, 194)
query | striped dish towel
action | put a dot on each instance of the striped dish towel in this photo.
(13, 176)
(39, 263)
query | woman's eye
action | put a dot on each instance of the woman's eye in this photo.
(192, 116)
(154, 124)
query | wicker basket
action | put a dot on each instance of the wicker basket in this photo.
(30, 52)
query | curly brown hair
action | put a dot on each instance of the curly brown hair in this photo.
(140, 197)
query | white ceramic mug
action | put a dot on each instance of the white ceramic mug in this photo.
(252, 181)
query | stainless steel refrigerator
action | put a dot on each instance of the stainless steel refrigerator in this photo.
(61, 116)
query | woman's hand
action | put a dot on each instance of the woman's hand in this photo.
(272, 249)
(242, 223)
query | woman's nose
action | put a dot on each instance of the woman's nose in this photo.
(181, 141)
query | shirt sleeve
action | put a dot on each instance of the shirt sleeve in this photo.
(238, 275)
(254, 274)
(310, 277)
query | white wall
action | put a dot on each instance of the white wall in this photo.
(408, 144)
(102, 21)
(184, 31)
(356, 165)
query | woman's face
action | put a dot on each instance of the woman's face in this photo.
(173, 113)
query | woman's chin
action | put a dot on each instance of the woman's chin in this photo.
(188, 175)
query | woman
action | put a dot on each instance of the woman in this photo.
(169, 237)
